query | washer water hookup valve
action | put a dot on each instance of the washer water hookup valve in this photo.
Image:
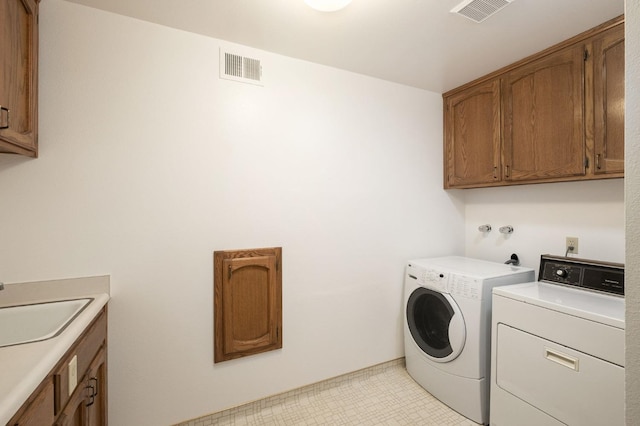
(506, 229)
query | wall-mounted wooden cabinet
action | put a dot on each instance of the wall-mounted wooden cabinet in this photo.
(247, 302)
(608, 101)
(19, 78)
(472, 136)
(555, 116)
(543, 122)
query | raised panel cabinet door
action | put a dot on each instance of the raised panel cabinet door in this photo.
(247, 302)
(472, 136)
(543, 137)
(18, 81)
(96, 388)
(75, 412)
(608, 83)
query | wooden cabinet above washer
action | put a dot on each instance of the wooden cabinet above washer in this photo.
(555, 116)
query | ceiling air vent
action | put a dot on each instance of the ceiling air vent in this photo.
(479, 10)
(240, 68)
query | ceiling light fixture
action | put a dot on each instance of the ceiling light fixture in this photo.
(327, 5)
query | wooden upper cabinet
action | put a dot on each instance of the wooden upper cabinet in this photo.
(247, 302)
(555, 116)
(19, 78)
(472, 136)
(544, 119)
(608, 109)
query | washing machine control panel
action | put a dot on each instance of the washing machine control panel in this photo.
(434, 280)
(445, 282)
(461, 285)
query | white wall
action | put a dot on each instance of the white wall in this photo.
(149, 162)
(542, 216)
(632, 192)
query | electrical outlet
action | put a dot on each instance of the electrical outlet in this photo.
(572, 245)
(73, 374)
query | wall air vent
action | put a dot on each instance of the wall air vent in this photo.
(240, 68)
(479, 10)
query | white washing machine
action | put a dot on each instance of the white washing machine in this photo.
(558, 346)
(447, 327)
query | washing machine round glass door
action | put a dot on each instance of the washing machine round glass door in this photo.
(436, 324)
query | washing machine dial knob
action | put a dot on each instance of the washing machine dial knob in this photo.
(562, 273)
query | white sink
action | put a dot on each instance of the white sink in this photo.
(40, 321)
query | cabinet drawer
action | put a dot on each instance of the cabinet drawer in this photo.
(571, 386)
(84, 351)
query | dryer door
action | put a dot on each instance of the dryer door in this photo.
(436, 324)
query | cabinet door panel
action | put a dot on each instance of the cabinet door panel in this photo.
(472, 136)
(247, 302)
(608, 82)
(74, 413)
(96, 385)
(249, 288)
(40, 410)
(544, 118)
(18, 84)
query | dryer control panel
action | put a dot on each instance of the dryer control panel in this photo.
(582, 273)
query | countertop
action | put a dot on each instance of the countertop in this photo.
(23, 367)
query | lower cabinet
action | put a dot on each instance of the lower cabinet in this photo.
(87, 405)
(97, 404)
(75, 392)
(39, 409)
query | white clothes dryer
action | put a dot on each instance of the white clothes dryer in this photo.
(447, 327)
(558, 346)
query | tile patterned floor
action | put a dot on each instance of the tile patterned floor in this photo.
(381, 395)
